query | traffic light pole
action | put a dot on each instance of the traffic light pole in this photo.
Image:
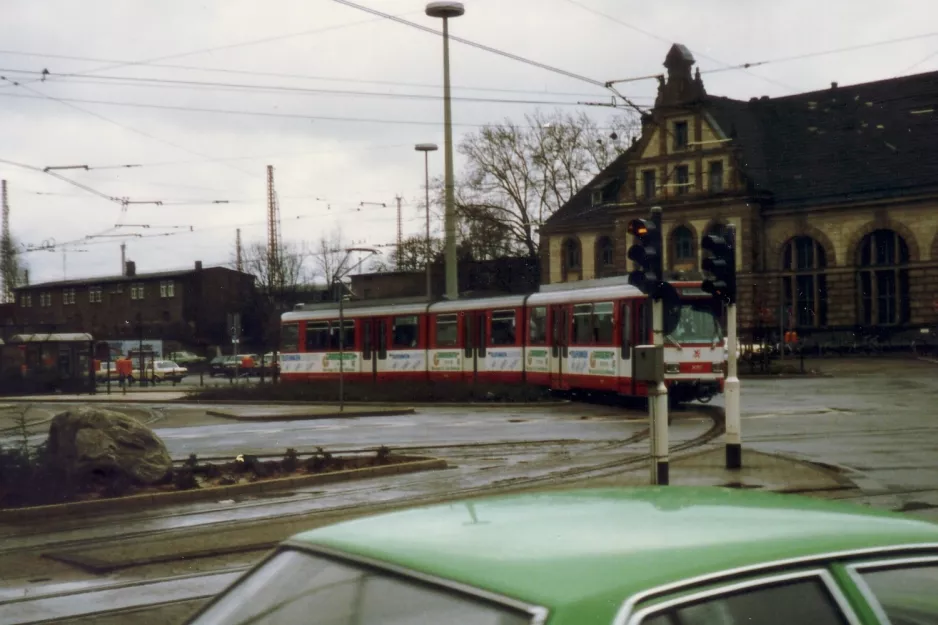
(734, 442)
(658, 405)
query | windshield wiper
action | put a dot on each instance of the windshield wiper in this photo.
(670, 338)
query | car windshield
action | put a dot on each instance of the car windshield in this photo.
(697, 322)
(292, 586)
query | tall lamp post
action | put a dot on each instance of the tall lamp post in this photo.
(340, 273)
(426, 148)
(446, 9)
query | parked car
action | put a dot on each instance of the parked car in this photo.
(244, 364)
(106, 370)
(648, 556)
(162, 371)
(186, 358)
(217, 366)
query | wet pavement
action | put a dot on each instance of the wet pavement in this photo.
(874, 420)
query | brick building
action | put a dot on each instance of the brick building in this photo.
(501, 275)
(189, 306)
(834, 195)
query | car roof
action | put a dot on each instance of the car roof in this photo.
(593, 548)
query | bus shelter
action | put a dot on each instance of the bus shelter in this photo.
(54, 361)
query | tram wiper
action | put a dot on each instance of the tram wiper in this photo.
(671, 339)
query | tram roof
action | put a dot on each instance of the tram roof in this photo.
(52, 338)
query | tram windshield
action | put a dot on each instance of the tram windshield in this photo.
(698, 322)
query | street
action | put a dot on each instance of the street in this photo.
(872, 421)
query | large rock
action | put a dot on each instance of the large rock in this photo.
(96, 441)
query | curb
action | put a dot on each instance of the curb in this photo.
(391, 412)
(411, 464)
(835, 472)
(233, 402)
(785, 376)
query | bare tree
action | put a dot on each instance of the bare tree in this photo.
(280, 284)
(14, 267)
(517, 176)
(327, 254)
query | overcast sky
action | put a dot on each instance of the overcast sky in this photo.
(327, 166)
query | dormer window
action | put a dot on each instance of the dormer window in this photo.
(680, 135)
(597, 197)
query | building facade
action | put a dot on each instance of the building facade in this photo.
(189, 307)
(833, 194)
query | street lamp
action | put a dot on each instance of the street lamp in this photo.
(426, 148)
(445, 10)
(337, 288)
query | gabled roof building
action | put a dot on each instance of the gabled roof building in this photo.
(834, 195)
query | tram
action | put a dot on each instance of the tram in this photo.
(567, 337)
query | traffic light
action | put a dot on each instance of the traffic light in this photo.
(646, 253)
(720, 266)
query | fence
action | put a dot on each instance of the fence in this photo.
(761, 346)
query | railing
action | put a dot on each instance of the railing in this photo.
(760, 347)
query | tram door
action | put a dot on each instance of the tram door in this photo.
(374, 346)
(626, 341)
(560, 345)
(641, 335)
(475, 339)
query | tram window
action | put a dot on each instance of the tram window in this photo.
(503, 327)
(537, 325)
(405, 332)
(582, 324)
(349, 335)
(602, 323)
(447, 330)
(317, 336)
(290, 338)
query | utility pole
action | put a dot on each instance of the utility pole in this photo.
(7, 279)
(649, 278)
(239, 263)
(721, 284)
(274, 266)
(400, 232)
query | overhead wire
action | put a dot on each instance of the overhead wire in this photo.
(55, 78)
(224, 70)
(177, 55)
(666, 40)
(196, 109)
(474, 44)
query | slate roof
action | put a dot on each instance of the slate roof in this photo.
(843, 144)
(579, 208)
(868, 141)
(139, 277)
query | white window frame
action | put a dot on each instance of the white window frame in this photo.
(167, 289)
(45, 300)
(68, 297)
(136, 291)
(95, 294)
(26, 300)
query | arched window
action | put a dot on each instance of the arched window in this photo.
(804, 287)
(605, 257)
(682, 247)
(883, 279)
(572, 258)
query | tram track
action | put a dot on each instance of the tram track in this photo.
(204, 585)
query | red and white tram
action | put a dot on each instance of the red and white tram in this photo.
(564, 337)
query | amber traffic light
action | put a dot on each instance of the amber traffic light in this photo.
(647, 253)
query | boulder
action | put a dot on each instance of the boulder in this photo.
(97, 441)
